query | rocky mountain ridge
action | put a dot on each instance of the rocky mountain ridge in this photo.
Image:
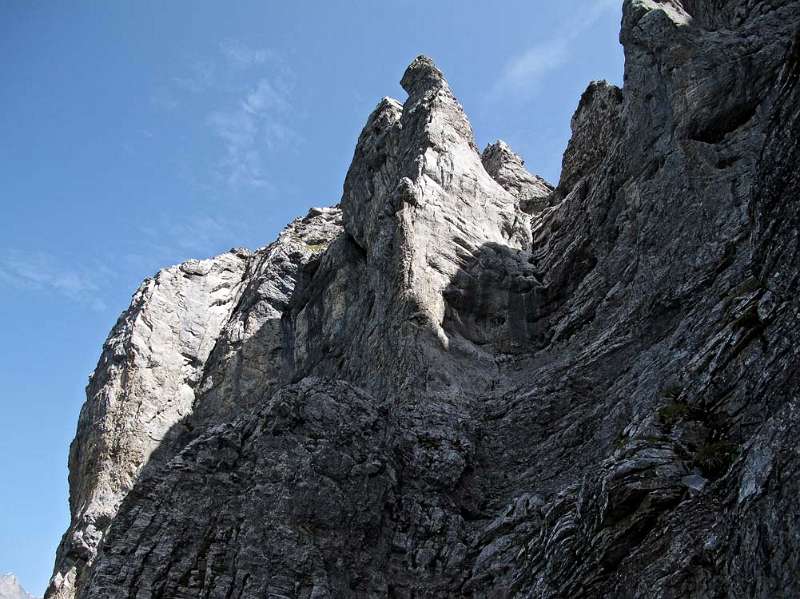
(10, 588)
(463, 381)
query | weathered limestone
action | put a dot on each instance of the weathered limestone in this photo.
(144, 385)
(464, 383)
(508, 169)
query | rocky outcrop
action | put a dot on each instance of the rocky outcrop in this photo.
(594, 131)
(508, 169)
(10, 588)
(172, 365)
(465, 383)
(143, 387)
(250, 356)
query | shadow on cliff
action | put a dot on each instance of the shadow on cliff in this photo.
(503, 299)
(261, 363)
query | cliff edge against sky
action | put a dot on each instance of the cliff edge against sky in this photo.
(463, 381)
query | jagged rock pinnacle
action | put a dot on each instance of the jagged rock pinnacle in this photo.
(593, 131)
(10, 588)
(421, 76)
(431, 393)
(508, 169)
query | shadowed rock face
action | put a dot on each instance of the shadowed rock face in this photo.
(143, 386)
(179, 358)
(463, 382)
(594, 131)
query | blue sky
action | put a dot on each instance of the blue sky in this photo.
(140, 134)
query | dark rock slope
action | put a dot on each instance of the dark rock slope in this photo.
(464, 382)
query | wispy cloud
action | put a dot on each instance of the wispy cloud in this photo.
(267, 96)
(243, 56)
(523, 73)
(166, 240)
(528, 68)
(242, 164)
(257, 122)
(249, 96)
(44, 272)
(200, 77)
(162, 97)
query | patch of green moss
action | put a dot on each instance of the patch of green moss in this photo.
(316, 247)
(430, 442)
(673, 412)
(749, 285)
(715, 457)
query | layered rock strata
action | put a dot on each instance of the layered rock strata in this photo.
(464, 382)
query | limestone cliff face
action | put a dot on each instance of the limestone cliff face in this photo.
(173, 363)
(465, 382)
(143, 387)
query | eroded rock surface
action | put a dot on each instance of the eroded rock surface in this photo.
(508, 169)
(465, 383)
(173, 365)
(144, 385)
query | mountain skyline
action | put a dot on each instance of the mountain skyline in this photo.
(139, 135)
(10, 588)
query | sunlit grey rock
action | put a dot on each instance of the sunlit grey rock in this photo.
(462, 382)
